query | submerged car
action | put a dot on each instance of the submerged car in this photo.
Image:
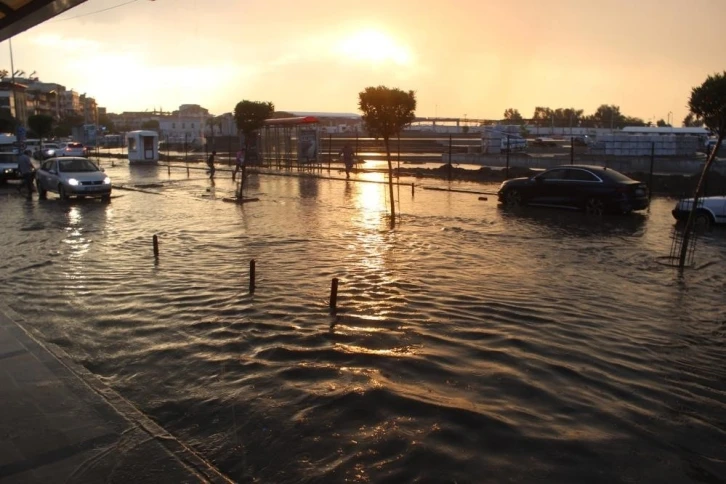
(72, 177)
(594, 189)
(710, 210)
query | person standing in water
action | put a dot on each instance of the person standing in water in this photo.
(347, 154)
(210, 164)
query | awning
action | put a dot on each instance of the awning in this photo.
(17, 16)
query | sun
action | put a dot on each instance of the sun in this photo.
(374, 46)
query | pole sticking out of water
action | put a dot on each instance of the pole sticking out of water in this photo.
(412, 189)
(334, 294)
(156, 246)
(252, 276)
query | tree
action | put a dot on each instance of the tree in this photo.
(512, 116)
(707, 102)
(42, 124)
(542, 116)
(608, 116)
(106, 122)
(386, 111)
(661, 123)
(7, 122)
(65, 125)
(151, 124)
(250, 116)
(691, 121)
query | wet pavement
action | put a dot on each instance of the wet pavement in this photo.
(59, 424)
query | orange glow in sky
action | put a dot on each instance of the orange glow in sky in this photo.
(473, 57)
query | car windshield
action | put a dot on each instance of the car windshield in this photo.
(76, 165)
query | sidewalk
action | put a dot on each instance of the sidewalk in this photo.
(59, 423)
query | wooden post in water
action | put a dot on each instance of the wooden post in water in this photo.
(506, 174)
(412, 189)
(652, 162)
(334, 294)
(156, 246)
(330, 149)
(186, 152)
(252, 276)
(572, 150)
(450, 167)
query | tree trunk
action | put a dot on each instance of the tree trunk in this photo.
(390, 183)
(694, 206)
(244, 168)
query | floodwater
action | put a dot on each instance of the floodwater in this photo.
(471, 343)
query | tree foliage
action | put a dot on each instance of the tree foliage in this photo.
(708, 102)
(65, 125)
(512, 116)
(661, 123)
(7, 122)
(41, 124)
(251, 115)
(151, 124)
(692, 121)
(386, 111)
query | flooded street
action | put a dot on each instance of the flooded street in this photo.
(471, 343)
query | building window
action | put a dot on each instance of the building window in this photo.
(173, 125)
(192, 125)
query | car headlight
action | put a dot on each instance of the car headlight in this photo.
(107, 181)
(72, 182)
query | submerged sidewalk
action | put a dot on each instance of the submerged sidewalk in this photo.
(58, 423)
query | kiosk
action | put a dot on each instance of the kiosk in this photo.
(288, 142)
(143, 146)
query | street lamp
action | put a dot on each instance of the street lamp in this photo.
(670, 116)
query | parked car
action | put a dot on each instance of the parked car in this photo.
(71, 149)
(710, 210)
(8, 166)
(72, 176)
(544, 142)
(594, 189)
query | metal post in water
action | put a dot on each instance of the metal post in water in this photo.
(572, 150)
(330, 149)
(412, 189)
(156, 246)
(399, 156)
(334, 294)
(652, 162)
(252, 276)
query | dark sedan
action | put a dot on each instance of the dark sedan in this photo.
(594, 189)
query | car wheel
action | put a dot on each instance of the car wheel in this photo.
(512, 198)
(62, 192)
(702, 221)
(595, 207)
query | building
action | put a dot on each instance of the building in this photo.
(70, 104)
(186, 125)
(89, 109)
(13, 99)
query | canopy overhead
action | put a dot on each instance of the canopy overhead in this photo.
(17, 16)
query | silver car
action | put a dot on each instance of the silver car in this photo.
(72, 176)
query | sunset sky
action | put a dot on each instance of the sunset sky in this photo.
(462, 57)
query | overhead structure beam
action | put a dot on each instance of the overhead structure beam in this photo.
(20, 15)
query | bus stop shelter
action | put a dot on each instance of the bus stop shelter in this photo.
(290, 142)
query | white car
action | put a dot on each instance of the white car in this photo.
(70, 149)
(72, 176)
(710, 210)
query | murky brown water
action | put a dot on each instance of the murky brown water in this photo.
(471, 344)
